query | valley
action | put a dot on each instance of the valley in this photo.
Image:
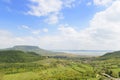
(26, 65)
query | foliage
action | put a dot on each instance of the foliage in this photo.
(13, 56)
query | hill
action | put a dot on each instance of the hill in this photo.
(26, 48)
(112, 55)
(13, 56)
(37, 50)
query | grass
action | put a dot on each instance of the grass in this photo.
(62, 70)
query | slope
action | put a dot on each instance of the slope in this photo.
(13, 56)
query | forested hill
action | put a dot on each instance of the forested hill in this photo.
(13, 56)
(112, 55)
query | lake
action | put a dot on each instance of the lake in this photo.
(86, 52)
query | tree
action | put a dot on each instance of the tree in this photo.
(118, 74)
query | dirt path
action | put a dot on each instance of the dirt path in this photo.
(110, 77)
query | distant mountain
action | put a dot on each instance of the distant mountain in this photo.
(13, 56)
(111, 55)
(26, 48)
(35, 49)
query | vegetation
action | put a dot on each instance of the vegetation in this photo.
(112, 55)
(36, 50)
(13, 56)
(19, 65)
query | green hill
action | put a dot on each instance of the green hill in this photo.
(13, 56)
(112, 55)
(37, 50)
(26, 48)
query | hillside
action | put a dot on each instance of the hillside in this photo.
(112, 55)
(26, 48)
(20, 65)
(13, 56)
(37, 50)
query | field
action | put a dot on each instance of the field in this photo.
(60, 69)
(48, 69)
(19, 65)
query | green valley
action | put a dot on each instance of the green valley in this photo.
(23, 65)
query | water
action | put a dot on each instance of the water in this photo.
(86, 52)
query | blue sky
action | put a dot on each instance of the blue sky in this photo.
(60, 24)
(14, 14)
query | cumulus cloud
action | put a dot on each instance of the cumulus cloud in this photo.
(102, 33)
(105, 25)
(44, 7)
(49, 8)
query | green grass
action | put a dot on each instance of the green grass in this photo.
(54, 69)
(61, 73)
(58, 69)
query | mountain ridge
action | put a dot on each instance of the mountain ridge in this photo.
(36, 49)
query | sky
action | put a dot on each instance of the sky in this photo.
(61, 24)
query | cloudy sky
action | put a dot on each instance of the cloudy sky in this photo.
(60, 24)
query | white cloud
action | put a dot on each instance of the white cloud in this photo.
(44, 7)
(49, 8)
(67, 30)
(5, 38)
(45, 30)
(25, 27)
(53, 18)
(8, 39)
(103, 2)
(36, 32)
(104, 27)
(103, 33)
(89, 3)
(4, 33)
(33, 31)
(69, 3)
